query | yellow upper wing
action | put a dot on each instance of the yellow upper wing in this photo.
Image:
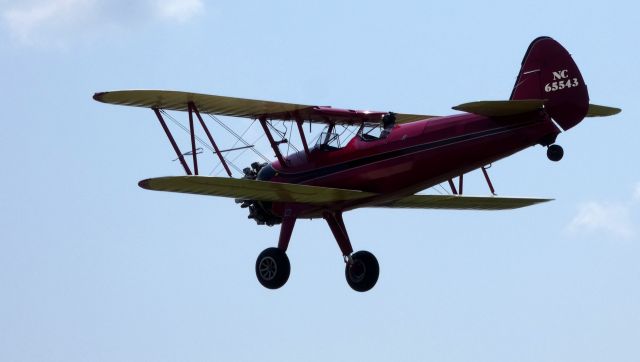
(245, 108)
(178, 101)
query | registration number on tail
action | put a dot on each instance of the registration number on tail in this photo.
(562, 84)
(561, 80)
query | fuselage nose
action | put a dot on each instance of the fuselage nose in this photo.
(266, 173)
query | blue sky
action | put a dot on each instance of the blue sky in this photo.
(94, 268)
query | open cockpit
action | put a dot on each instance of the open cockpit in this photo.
(333, 137)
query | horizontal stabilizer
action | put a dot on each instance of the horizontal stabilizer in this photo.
(501, 108)
(602, 111)
(252, 189)
(461, 202)
(245, 108)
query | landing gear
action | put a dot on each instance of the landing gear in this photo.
(273, 268)
(272, 265)
(362, 271)
(362, 268)
(555, 153)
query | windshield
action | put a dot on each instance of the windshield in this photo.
(334, 137)
(376, 131)
(370, 132)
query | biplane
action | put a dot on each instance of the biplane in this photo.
(388, 159)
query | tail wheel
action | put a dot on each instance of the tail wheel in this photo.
(362, 271)
(273, 268)
(555, 153)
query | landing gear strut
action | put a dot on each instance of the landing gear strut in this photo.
(273, 267)
(555, 152)
(362, 268)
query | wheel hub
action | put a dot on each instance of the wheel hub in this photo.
(268, 268)
(357, 271)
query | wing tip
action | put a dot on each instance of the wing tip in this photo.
(602, 111)
(612, 111)
(144, 184)
(98, 96)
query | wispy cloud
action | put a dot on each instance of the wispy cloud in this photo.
(596, 217)
(25, 23)
(56, 22)
(609, 218)
(180, 10)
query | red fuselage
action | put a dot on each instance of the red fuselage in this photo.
(415, 156)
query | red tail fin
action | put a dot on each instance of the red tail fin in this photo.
(548, 72)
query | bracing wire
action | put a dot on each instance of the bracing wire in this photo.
(283, 135)
(234, 166)
(234, 145)
(184, 128)
(437, 188)
(243, 133)
(446, 192)
(223, 125)
(200, 140)
(289, 141)
(238, 155)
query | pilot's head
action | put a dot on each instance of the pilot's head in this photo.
(388, 120)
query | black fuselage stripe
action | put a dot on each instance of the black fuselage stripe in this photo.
(309, 175)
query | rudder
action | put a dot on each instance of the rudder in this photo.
(548, 72)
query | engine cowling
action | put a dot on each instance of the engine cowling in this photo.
(260, 211)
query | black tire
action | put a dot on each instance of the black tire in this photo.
(273, 268)
(555, 153)
(363, 273)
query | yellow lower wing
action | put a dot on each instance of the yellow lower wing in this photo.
(252, 189)
(317, 195)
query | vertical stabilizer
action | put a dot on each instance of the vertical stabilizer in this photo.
(548, 72)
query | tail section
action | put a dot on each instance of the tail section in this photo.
(548, 72)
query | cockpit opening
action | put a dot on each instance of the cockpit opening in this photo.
(377, 131)
(334, 137)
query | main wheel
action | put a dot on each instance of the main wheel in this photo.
(555, 153)
(273, 268)
(362, 273)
